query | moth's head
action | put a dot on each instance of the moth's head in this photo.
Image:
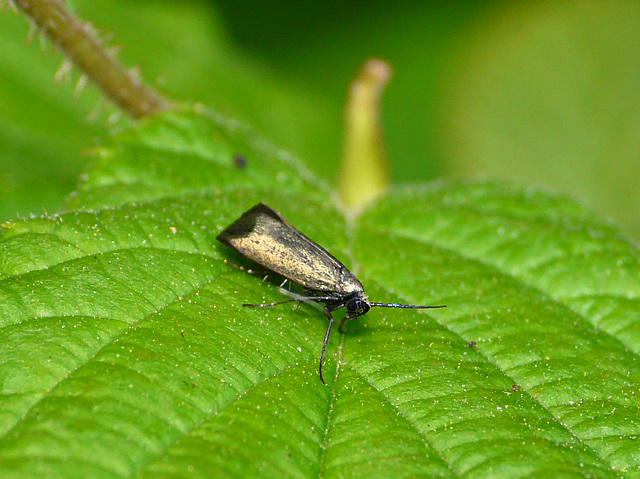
(357, 306)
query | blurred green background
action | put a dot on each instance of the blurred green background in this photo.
(543, 93)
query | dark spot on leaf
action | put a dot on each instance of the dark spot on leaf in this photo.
(240, 162)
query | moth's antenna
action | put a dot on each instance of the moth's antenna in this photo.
(406, 306)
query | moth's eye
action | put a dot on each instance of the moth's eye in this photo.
(352, 306)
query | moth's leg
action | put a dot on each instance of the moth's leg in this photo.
(282, 288)
(294, 297)
(341, 324)
(310, 300)
(324, 344)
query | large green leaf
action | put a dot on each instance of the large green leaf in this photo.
(126, 351)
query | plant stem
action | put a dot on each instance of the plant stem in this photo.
(78, 42)
(364, 169)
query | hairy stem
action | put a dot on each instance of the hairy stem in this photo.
(79, 44)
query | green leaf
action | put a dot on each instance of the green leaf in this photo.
(127, 353)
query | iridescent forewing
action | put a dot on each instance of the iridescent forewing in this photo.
(265, 237)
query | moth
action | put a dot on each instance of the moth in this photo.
(262, 235)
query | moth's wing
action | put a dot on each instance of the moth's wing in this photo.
(265, 237)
